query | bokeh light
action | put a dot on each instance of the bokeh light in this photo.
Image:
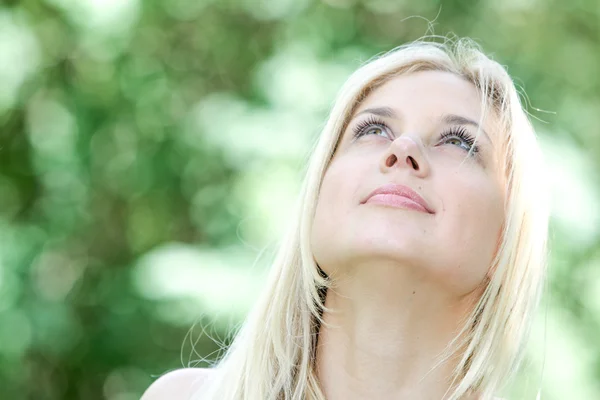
(151, 152)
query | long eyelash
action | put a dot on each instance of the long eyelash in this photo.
(461, 133)
(361, 128)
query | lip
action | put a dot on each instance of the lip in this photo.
(408, 197)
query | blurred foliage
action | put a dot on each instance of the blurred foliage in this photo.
(149, 149)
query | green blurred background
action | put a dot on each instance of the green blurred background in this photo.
(149, 150)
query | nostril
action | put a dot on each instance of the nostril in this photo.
(391, 160)
(413, 163)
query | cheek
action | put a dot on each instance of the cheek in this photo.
(475, 214)
(331, 191)
(338, 193)
(340, 186)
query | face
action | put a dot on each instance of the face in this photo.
(414, 133)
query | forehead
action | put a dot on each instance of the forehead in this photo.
(432, 93)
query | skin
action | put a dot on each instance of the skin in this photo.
(404, 278)
(177, 385)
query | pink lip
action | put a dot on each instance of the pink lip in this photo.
(398, 196)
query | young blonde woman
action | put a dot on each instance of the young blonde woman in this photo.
(417, 256)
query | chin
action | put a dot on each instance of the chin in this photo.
(376, 247)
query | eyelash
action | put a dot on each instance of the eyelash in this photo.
(362, 127)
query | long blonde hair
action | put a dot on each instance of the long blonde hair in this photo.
(273, 354)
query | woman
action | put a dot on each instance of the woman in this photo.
(417, 257)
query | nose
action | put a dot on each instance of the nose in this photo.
(405, 151)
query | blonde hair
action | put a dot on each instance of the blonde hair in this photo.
(273, 354)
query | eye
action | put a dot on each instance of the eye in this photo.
(459, 136)
(371, 126)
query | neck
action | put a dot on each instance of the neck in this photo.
(382, 337)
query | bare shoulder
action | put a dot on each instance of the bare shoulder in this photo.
(177, 385)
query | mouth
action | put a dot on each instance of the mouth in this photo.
(399, 196)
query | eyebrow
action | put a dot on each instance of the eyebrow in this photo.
(450, 119)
